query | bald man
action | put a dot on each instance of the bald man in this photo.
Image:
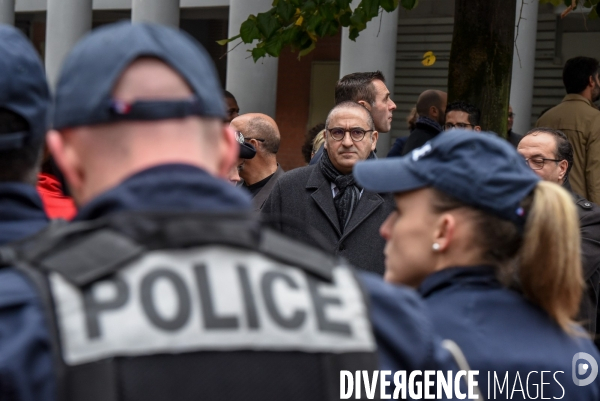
(262, 171)
(431, 105)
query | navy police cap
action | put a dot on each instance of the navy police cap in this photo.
(90, 71)
(479, 169)
(23, 89)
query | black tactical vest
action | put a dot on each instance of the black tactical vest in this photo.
(182, 307)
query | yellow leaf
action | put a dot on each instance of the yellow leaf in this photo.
(299, 21)
(428, 59)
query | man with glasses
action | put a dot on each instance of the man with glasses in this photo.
(462, 115)
(550, 155)
(324, 198)
(261, 172)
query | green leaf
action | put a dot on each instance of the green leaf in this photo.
(286, 11)
(389, 5)
(309, 6)
(267, 24)
(345, 19)
(249, 30)
(258, 52)
(343, 3)
(409, 4)
(371, 8)
(309, 49)
(274, 45)
(223, 42)
(290, 35)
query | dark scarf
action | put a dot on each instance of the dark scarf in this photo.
(348, 190)
(429, 122)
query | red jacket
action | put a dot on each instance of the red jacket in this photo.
(56, 204)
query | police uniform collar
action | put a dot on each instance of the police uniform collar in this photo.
(18, 200)
(168, 187)
(453, 276)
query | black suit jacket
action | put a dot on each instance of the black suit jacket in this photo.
(301, 205)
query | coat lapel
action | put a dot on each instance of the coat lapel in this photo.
(261, 197)
(323, 197)
(368, 203)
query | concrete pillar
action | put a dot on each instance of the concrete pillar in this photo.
(164, 12)
(66, 22)
(521, 92)
(7, 12)
(374, 49)
(254, 85)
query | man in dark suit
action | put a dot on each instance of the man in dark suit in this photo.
(322, 202)
(262, 171)
(550, 155)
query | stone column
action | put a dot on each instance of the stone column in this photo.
(7, 12)
(521, 92)
(254, 85)
(374, 49)
(164, 12)
(66, 22)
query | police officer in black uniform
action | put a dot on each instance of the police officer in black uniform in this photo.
(166, 287)
(550, 155)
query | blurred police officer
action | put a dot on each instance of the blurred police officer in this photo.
(550, 155)
(24, 99)
(156, 299)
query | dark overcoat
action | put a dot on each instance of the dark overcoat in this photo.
(301, 205)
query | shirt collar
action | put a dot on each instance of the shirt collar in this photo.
(577, 97)
(453, 276)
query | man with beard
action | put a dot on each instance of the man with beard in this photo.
(577, 117)
(431, 107)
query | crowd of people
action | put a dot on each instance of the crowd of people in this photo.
(193, 267)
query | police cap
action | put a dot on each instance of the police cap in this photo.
(479, 169)
(23, 89)
(90, 71)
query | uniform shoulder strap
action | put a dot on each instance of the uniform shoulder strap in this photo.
(85, 252)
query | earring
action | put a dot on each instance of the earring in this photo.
(435, 247)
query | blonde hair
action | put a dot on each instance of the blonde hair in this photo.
(318, 141)
(543, 260)
(550, 259)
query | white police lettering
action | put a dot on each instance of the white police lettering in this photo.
(210, 299)
(422, 151)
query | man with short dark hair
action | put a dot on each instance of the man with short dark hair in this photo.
(462, 115)
(324, 196)
(261, 172)
(431, 108)
(233, 110)
(512, 136)
(550, 155)
(577, 117)
(368, 89)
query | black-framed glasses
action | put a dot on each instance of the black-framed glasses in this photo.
(537, 163)
(511, 115)
(356, 134)
(449, 126)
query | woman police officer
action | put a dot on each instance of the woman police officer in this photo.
(494, 251)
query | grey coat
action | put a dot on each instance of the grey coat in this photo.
(301, 205)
